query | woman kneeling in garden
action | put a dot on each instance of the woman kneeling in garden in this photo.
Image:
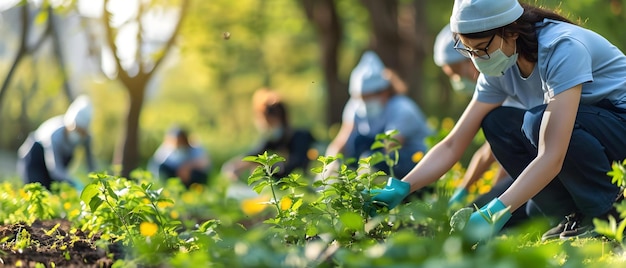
(559, 152)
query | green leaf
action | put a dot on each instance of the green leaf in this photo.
(95, 203)
(296, 205)
(88, 193)
(257, 174)
(317, 170)
(603, 227)
(377, 145)
(619, 233)
(252, 158)
(352, 220)
(259, 187)
(460, 218)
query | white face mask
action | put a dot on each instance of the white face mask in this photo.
(464, 85)
(373, 108)
(497, 63)
(74, 137)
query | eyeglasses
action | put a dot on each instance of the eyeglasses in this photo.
(473, 53)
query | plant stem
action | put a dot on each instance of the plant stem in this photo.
(268, 171)
(106, 199)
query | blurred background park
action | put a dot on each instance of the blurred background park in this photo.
(148, 64)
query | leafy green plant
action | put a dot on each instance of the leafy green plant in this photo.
(390, 146)
(131, 213)
(614, 228)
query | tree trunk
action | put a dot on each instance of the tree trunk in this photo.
(385, 39)
(417, 47)
(323, 15)
(128, 151)
(58, 54)
(21, 52)
(397, 39)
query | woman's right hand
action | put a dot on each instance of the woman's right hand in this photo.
(394, 192)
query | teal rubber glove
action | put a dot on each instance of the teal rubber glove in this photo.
(479, 229)
(390, 196)
(458, 197)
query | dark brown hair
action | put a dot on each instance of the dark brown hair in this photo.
(277, 110)
(525, 27)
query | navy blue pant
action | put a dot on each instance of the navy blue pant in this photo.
(196, 176)
(582, 185)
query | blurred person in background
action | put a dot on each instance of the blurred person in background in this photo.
(377, 105)
(463, 75)
(271, 118)
(178, 157)
(47, 152)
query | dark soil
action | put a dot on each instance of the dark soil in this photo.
(59, 249)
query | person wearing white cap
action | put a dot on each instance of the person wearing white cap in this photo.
(458, 68)
(45, 155)
(375, 107)
(463, 76)
(558, 152)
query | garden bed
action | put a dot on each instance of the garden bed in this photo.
(51, 243)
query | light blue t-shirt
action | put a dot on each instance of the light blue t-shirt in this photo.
(400, 113)
(568, 55)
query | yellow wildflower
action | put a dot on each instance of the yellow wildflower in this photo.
(74, 213)
(483, 189)
(189, 197)
(148, 228)
(489, 174)
(417, 156)
(23, 194)
(285, 203)
(457, 167)
(253, 206)
(447, 124)
(174, 214)
(164, 204)
(196, 188)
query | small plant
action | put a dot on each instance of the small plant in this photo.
(131, 212)
(22, 240)
(390, 146)
(614, 228)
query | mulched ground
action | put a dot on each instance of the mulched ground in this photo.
(59, 249)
